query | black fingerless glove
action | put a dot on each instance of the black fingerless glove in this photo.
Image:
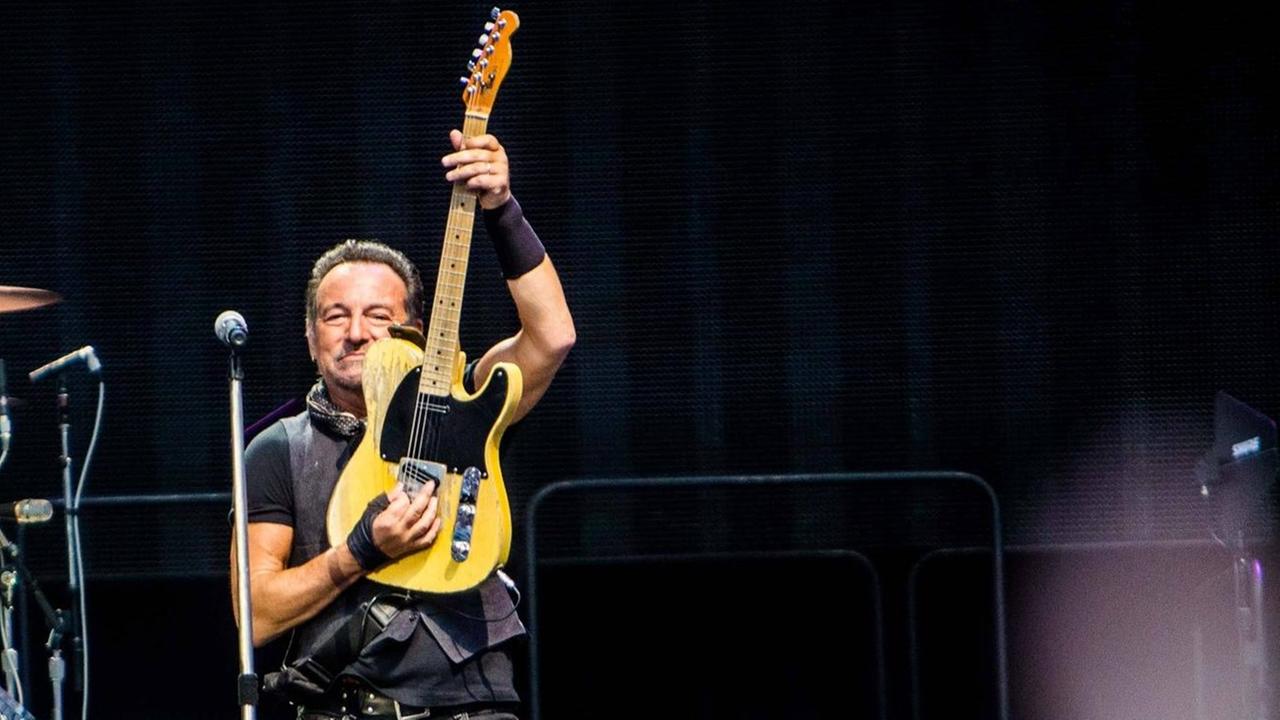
(360, 541)
(518, 247)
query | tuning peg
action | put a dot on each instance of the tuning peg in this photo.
(484, 40)
(495, 12)
(497, 36)
(471, 65)
(464, 80)
(476, 53)
(488, 49)
(488, 27)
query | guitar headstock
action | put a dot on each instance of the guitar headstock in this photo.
(490, 61)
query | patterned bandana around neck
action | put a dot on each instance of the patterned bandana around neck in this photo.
(328, 416)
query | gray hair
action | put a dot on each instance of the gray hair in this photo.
(367, 251)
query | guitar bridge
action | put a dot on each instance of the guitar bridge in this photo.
(414, 473)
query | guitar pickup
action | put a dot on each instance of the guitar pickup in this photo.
(464, 520)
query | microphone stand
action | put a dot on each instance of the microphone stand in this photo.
(71, 624)
(247, 688)
(1251, 632)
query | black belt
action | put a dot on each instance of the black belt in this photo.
(360, 702)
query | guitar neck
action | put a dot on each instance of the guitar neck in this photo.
(446, 306)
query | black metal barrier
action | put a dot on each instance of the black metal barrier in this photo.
(178, 534)
(616, 530)
(201, 551)
(695, 527)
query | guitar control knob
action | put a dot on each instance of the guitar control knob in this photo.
(470, 485)
(466, 520)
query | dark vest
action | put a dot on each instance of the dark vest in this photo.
(460, 625)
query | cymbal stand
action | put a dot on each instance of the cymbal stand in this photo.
(7, 577)
(56, 619)
(8, 580)
(5, 428)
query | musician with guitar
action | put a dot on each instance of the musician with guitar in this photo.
(378, 522)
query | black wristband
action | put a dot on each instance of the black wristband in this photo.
(360, 540)
(518, 247)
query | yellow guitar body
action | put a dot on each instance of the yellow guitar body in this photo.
(466, 435)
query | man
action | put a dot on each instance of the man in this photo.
(357, 651)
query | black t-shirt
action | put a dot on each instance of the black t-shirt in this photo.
(266, 469)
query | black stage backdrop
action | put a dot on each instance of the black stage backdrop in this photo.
(1026, 240)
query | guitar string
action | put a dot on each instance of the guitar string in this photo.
(434, 432)
(425, 429)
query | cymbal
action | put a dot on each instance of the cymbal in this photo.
(13, 299)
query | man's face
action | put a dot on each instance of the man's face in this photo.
(355, 304)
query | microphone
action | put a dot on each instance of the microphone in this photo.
(32, 510)
(84, 354)
(25, 512)
(231, 329)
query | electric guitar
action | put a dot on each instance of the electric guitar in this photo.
(423, 425)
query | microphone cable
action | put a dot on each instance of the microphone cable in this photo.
(75, 520)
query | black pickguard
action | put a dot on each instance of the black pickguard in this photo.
(452, 432)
